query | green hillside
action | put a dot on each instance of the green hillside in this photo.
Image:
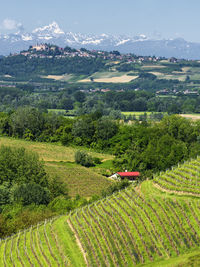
(182, 181)
(149, 225)
(59, 162)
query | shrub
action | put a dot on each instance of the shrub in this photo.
(58, 188)
(115, 187)
(82, 158)
(97, 160)
(60, 204)
(31, 193)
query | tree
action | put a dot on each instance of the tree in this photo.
(139, 104)
(178, 127)
(26, 118)
(4, 194)
(106, 129)
(84, 128)
(58, 188)
(147, 75)
(79, 96)
(66, 103)
(187, 79)
(18, 166)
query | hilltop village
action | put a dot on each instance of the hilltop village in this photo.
(50, 51)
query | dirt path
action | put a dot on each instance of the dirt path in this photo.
(78, 242)
(138, 189)
(180, 193)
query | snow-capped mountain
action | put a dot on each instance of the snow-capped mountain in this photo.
(140, 45)
(48, 32)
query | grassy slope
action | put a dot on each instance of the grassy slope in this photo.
(59, 161)
(143, 227)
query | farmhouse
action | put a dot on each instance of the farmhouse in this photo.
(129, 175)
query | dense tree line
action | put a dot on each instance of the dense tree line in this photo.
(83, 102)
(22, 66)
(152, 148)
(144, 146)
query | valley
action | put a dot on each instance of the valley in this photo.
(99, 133)
(77, 116)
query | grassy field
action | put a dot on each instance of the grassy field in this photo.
(57, 111)
(137, 114)
(173, 76)
(110, 77)
(65, 77)
(153, 66)
(104, 77)
(59, 161)
(80, 180)
(191, 116)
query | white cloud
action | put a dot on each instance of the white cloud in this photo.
(11, 24)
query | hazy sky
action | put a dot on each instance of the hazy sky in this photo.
(165, 18)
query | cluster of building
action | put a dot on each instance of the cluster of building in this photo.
(176, 92)
(104, 90)
(50, 51)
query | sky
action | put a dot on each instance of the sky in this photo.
(154, 18)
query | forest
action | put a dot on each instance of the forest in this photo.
(80, 102)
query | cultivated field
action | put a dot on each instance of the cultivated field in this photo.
(114, 76)
(138, 114)
(110, 77)
(154, 224)
(65, 77)
(59, 161)
(153, 67)
(191, 116)
(54, 77)
(182, 181)
(173, 76)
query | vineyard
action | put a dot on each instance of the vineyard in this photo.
(184, 180)
(126, 229)
(46, 244)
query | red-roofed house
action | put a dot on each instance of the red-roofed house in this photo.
(129, 175)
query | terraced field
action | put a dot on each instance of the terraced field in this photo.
(144, 226)
(48, 244)
(184, 180)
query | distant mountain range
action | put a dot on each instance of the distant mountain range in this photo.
(139, 45)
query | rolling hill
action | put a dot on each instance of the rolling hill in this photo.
(59, 162)
(151, 225)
